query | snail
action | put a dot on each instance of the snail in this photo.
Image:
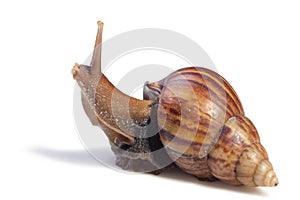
(192, 119)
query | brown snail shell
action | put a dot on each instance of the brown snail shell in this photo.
(203, 128)
(199, 117)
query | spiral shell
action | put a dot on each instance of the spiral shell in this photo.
(203, 128)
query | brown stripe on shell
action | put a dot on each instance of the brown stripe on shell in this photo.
(213, 96)
(209, 75)
(203, 123)
(229, 89)
(249, 161)
(216, 92)
(191, 165)
(188, 130)
(226, 175)
(245, 123)
(182, 146)
(233, 141)
(201, 91)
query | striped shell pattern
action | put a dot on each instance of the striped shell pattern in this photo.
(204, 130)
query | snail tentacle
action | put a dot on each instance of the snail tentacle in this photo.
(96, 59)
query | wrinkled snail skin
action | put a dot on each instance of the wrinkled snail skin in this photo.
(193, 115)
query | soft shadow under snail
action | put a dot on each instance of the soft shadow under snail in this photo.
(192, 119)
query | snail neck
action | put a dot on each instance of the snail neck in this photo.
(113, 105)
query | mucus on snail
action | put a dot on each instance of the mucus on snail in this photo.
(192, 119)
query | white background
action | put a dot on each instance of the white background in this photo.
(254, 44)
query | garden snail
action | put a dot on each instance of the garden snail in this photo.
(193, 118)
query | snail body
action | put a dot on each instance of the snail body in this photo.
(193, 118)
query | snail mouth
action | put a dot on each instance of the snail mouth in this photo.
(74, 70)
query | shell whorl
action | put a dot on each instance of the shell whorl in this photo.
(254, 168)
(238, 158)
